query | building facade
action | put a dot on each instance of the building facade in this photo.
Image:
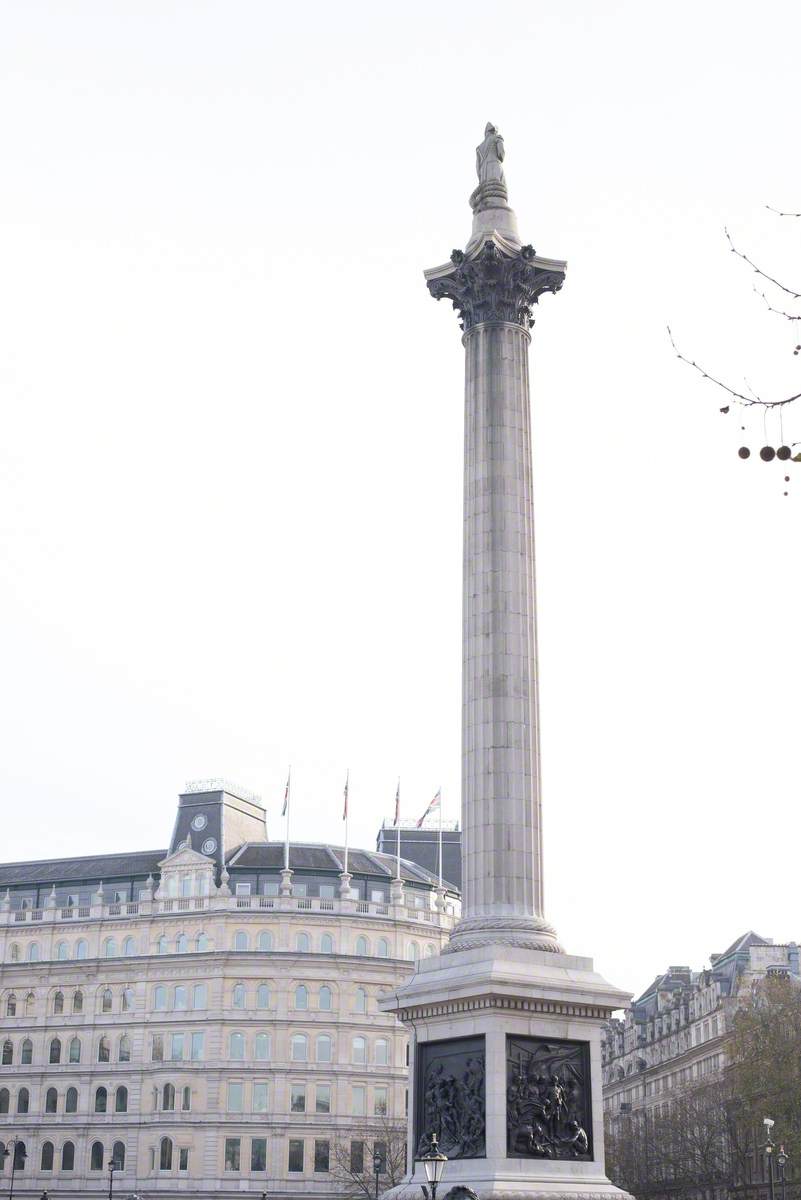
(205, 1016)
(421, 844)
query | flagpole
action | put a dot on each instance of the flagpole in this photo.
(439, 849)
(397, 828)
(347, 781)
(286, 835)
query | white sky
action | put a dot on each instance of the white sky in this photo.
(231, 439)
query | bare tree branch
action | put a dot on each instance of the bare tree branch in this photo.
(779, 213)
(779, 311)
(759, 271)
(751, 401)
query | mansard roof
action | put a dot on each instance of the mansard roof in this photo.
(90, 867)
(742, 945)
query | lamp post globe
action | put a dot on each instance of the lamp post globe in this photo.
(434, 1163)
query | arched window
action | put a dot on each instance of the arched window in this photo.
(381, 1052)
(160, 997)
(265, 940)
(165, 1155)
(324, 1048)
(239, 995)
(118, 1155)
(75, 1050)
(124, 1054)
(121, 1099)
(199, 999)
(236, 1045)
(181, 944)
(7, 1058)
(62, 951)
(20, 1154)
(187, 882)
(11, 1006)
(4, 1097)
(361, 945)
(261, 1046)
(81, 951)
(186, 1099)
(161, 945)
(71, 1100)
(325, 998)
(240, 940)
(413, 951)
(47, 1156)
(96, 1158)
(55, 1050)
(58, 1003)
(382, 948)
(301, 996)
(326, 944)
(103, 1050)
(109, 951)
(13, 952)
(359, 1050)
(201, 943)
(51, 1100)
(26, 1057)
(23, 1100)
(181, 997)
(262, 996)
(68, 1156)
(360, 1001)
(302, 943)
(299, 1047)
(33, 952)
(77, 1002)
(30, 1004)
(129, 947)
(101, 1100)
(127, 999)
(106, 1000)
(430, 950)
(168, 1098)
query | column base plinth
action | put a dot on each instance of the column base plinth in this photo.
(527, 933)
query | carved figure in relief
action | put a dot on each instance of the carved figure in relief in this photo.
(489, 156)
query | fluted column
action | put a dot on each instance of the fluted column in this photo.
(493, 287)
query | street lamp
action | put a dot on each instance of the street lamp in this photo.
(769, 1144)
(44, 1195)
(112, 1167)
(15, 1141)
(377, 1165)
(434, 1162)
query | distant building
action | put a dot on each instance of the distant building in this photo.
(672, 1038)
(201, 1015)
(421, 846)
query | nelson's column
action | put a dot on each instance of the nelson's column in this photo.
(504, 1025)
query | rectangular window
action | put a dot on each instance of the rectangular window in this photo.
(378, 895)
(380, 1152)
(157, 1048)
(322, 1102)
(380, 1101)
(260, 1097)
(120, 896)
(295, 1154)
(243, 889)
(199, 995)
(236, 1093)
(177, 1047)
(232, 1150)
(197, 1047)
(326, 891)
(270, 887)
(321, 1155)
(299, 889)
(73, 900)
(298, 1101)
(358, 1107)
(356, 1158)
(258, 1154)
(183, 1158)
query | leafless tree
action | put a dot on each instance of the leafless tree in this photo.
(352, 1166)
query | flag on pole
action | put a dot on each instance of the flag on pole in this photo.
(397, 831)
(286, 794)
(397, 803)
(433, 806)
(345, 809)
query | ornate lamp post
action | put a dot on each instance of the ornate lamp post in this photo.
(434, 1163)
(112, 1167)
(15, 1141)
(781, 1160)
(769, 1146)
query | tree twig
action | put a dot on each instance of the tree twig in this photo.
(759, 271)
(779, 311)
(779, 213)
(738, 397)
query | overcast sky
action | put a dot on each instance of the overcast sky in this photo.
(231, 439)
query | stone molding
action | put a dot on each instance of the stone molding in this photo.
(558, 1008)
(491, 285)
(528, 933)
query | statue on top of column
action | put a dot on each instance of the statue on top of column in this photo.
(489, 156)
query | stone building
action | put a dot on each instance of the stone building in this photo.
(205, 1015)
(672, 1037)
(421, 845)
